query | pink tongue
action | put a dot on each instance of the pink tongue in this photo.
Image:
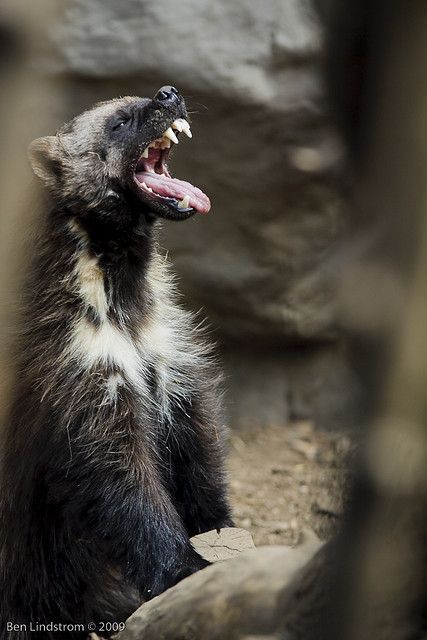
(174, 188)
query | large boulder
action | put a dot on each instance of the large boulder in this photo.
(268, 593)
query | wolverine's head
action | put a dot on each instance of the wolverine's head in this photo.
(117, 153)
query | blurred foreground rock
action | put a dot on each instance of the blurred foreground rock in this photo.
(246, 596)
(263, 264)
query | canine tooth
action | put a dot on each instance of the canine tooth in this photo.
(147, 187)
(183, 204)
(186, 128)
(177, 125)
(170, 134)
(145, 153)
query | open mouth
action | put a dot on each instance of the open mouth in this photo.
(156, 183)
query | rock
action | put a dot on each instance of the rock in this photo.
(106, 39)
(226, 601)
(227, 543)
(273, 386)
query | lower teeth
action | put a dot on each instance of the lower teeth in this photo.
(183, 204)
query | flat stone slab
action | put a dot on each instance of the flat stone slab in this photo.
(217, 546)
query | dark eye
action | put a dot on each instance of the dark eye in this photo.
(120, 122)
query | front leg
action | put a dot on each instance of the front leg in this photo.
(196, 475)
(129, 509)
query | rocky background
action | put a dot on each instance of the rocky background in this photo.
(263, 265)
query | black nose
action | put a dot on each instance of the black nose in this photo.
(167, 95)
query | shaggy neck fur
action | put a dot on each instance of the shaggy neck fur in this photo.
(106, 294)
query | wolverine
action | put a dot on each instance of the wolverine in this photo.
(112, 454)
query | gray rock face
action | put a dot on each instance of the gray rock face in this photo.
(261, 263)
(235, 47)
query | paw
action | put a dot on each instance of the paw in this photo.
(182, 569)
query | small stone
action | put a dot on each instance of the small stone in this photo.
(216, 546)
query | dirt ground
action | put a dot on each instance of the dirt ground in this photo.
(287, 480)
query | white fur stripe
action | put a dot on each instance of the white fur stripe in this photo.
(91, 284)
(106, 344)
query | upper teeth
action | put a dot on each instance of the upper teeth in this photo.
(170, 134)
(182, 125)
(165, 141)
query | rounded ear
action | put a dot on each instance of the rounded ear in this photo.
(44, 157)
